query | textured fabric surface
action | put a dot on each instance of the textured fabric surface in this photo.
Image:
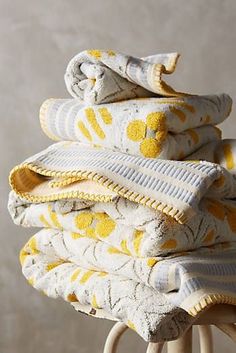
(131, 228)
(166, 128)
(145, 293)
(143, 309)
(127, 229)
(97, 76)
(172, 187)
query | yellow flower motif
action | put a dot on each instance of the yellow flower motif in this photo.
(150, 148)
(156, 121)
(83, 220)
(105, 227)
(136, 130)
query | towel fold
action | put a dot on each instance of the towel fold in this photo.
(165, 128)
(137, 202)
(172, 187)
(99, 76)
(81, 269)
(128, 227)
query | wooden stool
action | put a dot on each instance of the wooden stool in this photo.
(222, 316)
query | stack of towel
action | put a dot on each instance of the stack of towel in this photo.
(137, 199)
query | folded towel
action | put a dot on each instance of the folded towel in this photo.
(172, 187)
(98, 76)
(89, 271)
(129, 227)
(166, 128)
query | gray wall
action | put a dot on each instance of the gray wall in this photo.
(37, 39)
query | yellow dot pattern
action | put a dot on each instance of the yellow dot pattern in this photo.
(150, 133)
(136, 130)
(150, 147)
(104, 227)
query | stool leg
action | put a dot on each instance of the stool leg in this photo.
(229, 329)
(206, 342)
(182, 344)
(154, 347)
(113, 337)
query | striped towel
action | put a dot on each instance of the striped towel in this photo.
(165, 128)
(102, 76)
(172, 187)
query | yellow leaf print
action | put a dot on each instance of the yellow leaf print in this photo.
(124, 247)
(138, 236)
(151, 262)
(75, 275)
(86, 276)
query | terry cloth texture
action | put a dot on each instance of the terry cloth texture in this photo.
(127, 229)
(97, 76)
(166, 128)
(131, 228)
(61, 264)
(172, 187)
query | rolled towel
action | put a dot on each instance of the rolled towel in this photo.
(102, 76)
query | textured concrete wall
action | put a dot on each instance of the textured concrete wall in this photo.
(37, 39)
